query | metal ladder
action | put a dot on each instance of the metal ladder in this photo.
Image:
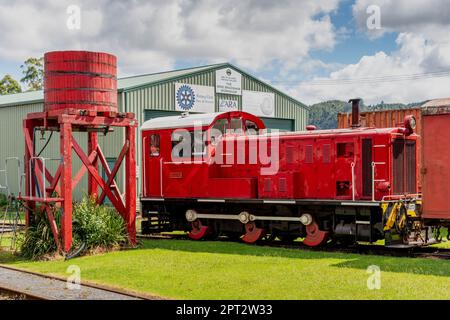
(10, 219)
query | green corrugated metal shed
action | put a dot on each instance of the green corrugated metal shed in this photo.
(146, 96)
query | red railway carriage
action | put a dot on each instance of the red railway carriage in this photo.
(224, 174)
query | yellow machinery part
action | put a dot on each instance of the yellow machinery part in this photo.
(392, 216)
(412, 208)
(392, 210)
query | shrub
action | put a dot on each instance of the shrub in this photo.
(95, 226)
(38, 240)
(3, 200)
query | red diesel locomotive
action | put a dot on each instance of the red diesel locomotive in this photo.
(225, 174)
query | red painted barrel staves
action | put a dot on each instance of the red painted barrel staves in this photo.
(80, 80)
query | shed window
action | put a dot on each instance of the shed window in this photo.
(345, 150)
(154, 145)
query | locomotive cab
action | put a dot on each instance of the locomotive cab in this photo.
(176, 149)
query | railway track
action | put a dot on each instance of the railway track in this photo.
(26, 285)
(13, 294)
(364, 249)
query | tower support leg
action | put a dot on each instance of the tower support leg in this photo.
(66, 185)
(29, 183)
(130, 183)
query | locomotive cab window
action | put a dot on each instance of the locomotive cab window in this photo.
(345, 150)
(154, 145)
(178, 147)
(251, 128)
(236, 125)
(219, 129)
(198, 144)
(188, 144)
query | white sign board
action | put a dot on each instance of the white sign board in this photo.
(228, 81)
(258, 103)
(194, 98)
(226, 105)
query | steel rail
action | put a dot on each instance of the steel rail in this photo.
(96, 286)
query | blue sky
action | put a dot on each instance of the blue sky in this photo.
(304, 47)
(353, 44)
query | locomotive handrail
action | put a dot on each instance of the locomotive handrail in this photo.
(373, 181)
(353, 180)
(187, 162)
(396, 197)
(161, 163)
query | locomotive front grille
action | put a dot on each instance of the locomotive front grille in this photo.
(411, 167)
(404, 166)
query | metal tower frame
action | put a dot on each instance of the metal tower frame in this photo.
(58, 190)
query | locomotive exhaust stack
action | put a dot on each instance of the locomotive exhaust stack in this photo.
(355, 112)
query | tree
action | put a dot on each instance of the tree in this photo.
(9, 85)
(33, 71)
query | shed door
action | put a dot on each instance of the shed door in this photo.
(436, 166)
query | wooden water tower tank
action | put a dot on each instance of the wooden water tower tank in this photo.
(80, 80)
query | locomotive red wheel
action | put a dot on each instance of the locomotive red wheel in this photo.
(314, 236)
(198, 231)
(252, 233)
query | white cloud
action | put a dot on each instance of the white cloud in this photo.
(423, 47)
(152, 35)
(415, 16)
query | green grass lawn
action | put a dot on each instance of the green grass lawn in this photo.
(221, 270)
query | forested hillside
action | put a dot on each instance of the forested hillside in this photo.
(324, 114)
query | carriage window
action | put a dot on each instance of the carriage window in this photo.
(154, 145)
(236, 125)
(345, 150)
(251, 127)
